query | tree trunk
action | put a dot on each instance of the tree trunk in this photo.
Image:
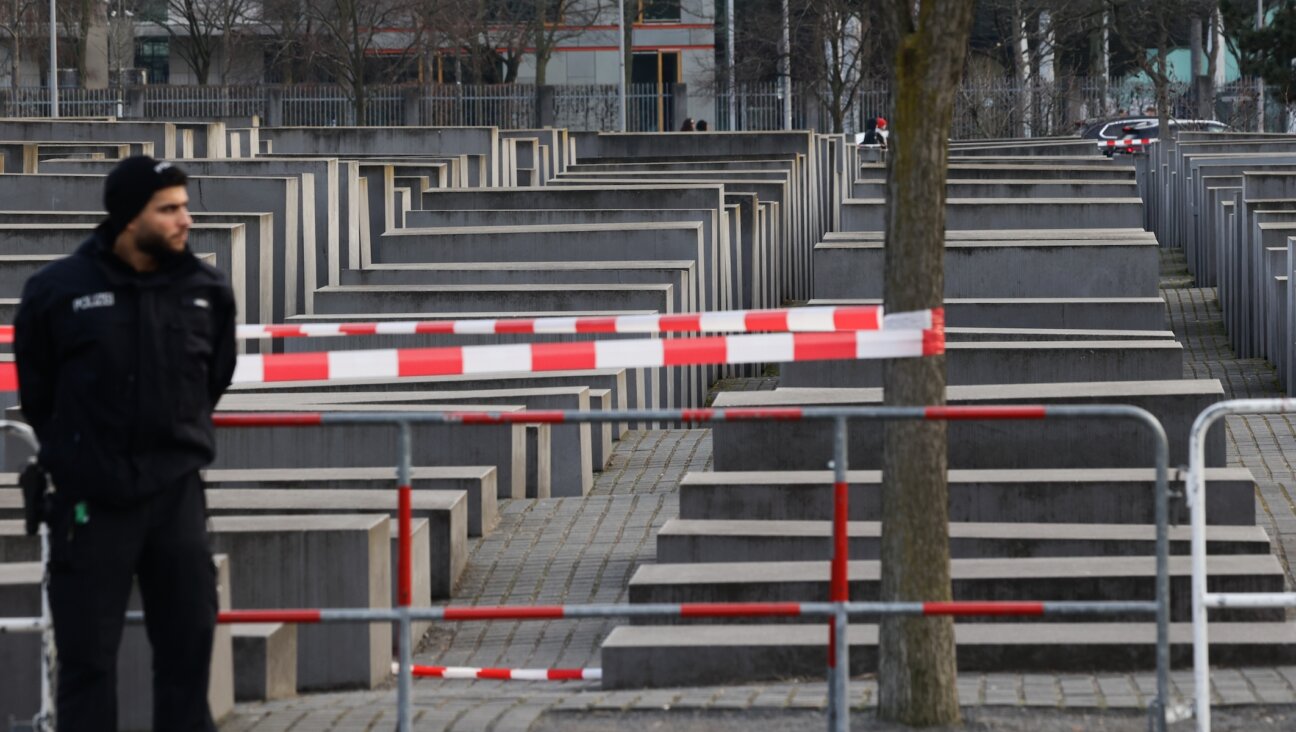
(15, 60)
(1021, 68)
(917, 676)
(541, 42)
(542, 65)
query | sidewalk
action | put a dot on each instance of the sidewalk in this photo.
(581, 550)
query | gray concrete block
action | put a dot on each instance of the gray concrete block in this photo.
(571, 445)
(619, 382)
(265, 661)
(959, 187)
(635, 657)
(682, 541)
(349, 446)
(20, 694)
(317, 561)
(1070, 443)
(1104, 496)
(1018, 362)
(1068, 578)
(444, 512)
(478, 483)
(1004, 213)
(1134, 313)
(160, 135)
(1064, 268)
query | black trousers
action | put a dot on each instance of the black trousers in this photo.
(162, 541)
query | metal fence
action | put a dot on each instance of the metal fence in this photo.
(837, 610)
(1002, 108)
(984, 108)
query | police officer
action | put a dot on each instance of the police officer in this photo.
(123, 349)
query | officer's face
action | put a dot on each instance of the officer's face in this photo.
(163, 226)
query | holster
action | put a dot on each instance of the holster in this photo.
(36, 496)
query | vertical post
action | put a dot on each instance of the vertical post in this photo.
(1195, 490)
(621, 65)
(53, 59)
(839, 592)
(45, 718)
(1158, 708)
(404, 689)
(1260, 94)
(1106, 63)
(785, 68)
(729, 65)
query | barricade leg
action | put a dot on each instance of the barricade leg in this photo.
(1201, 639)
(405, 680)
(1157, 709)
(839, 653)
(45, 718)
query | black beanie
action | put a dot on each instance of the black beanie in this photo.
(131, 185)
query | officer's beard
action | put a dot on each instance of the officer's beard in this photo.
(157, 248)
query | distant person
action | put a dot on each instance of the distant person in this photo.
(702, 126)
(688, 125)
(872, 137)
(882, 132)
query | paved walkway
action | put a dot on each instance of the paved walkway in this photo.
(572, 550)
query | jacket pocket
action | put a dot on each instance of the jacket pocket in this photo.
(191, 345)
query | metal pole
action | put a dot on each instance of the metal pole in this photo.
(621, 76)
(404, 689)
(44, 720)
(839, 654)
(1260, 92)
(53, 59)
(785, 68)
(1158, 707)
(729, 65)
(1196, 494)
(49, 664)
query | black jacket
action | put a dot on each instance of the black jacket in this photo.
(119, 371)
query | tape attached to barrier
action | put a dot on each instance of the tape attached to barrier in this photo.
(817, 319)
(1128, 143)
(870, 336)
(395, 363)
(505, 674)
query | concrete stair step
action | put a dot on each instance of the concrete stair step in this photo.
(686, 540)
(1081, 495)
(1069, 578)
(637, 656)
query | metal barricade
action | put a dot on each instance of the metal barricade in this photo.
(838, 609)
(1201, 599)
(44, 719)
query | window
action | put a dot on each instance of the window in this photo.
(510, 11)
(659, 11)
(154, 55)
(152, 11)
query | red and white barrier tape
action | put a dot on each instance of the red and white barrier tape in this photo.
(505, 674)
(808, 319)
(1128, 143)
(907, 335)
(394, 363)
(787, 320)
